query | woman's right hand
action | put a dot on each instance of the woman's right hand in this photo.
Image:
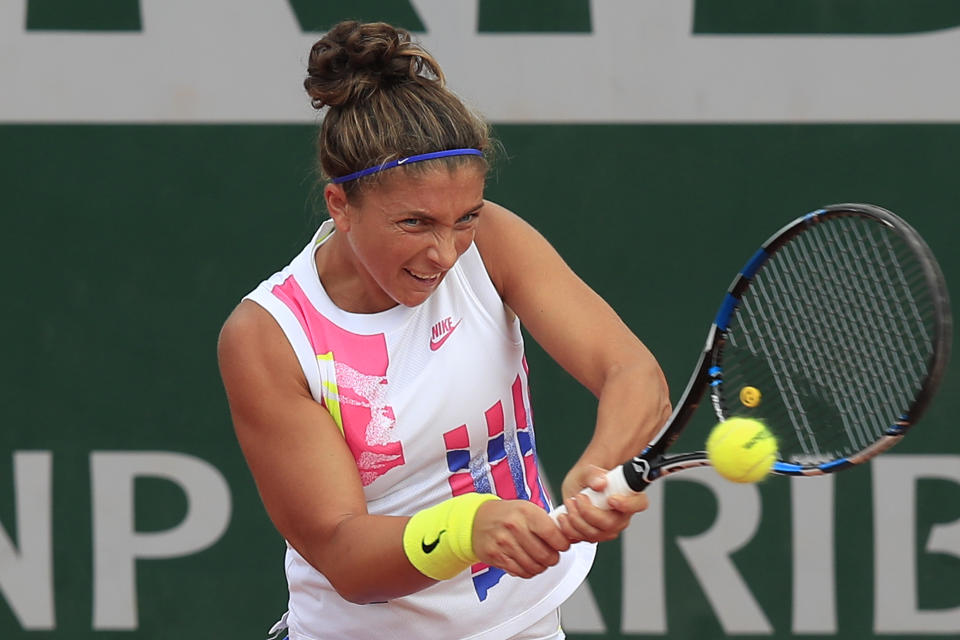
(518, 537)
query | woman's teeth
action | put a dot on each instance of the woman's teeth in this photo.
(424, 276)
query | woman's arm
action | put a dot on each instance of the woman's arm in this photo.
(586, 337)
(304, 471)
(309, 483)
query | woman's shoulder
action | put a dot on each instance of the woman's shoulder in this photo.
(494, 239)
(502, 230)
(248, 327)
(508, 244)
(499, 218)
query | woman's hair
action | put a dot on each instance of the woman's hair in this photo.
(385, 99)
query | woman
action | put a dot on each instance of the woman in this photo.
(378, 385)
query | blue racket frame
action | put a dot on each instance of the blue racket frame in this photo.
(654, 463)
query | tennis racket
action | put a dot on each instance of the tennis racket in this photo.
(836, 334)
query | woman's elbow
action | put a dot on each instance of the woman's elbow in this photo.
(353, 593)
(663, 395)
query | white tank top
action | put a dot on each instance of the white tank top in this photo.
(433, 401)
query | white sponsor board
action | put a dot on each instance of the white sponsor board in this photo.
(231, 61)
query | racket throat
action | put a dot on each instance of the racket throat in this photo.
(640, 472)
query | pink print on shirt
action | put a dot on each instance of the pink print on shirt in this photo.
(357, 395)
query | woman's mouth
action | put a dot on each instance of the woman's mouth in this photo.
(425, 278)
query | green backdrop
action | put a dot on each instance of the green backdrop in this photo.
(126, 509)
(125, 247)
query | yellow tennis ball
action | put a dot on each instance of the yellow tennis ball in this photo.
(750, 396)
(742, 449)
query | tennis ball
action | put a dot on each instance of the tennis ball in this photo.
(742, 449)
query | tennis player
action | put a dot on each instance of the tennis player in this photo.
(378, 384)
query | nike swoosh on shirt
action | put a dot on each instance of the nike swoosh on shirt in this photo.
(436, 343)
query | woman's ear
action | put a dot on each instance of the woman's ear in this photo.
(337, 206)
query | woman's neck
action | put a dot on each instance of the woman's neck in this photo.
(346, 281)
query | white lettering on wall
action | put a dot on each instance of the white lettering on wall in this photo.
(116, 543)
(644, 598)
(895, 504)
(738, 516)
(813, 539)
(26, 566)
(26, 570)
(708, 554)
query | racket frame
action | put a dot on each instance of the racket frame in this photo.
(654, 463)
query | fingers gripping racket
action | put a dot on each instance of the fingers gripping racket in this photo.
(840, 324)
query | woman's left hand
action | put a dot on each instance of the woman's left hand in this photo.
(584, 521)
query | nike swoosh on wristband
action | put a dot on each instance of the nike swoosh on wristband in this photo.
(428, 547)
(436, 343)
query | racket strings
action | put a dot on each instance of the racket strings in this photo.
(868, 306)
(912, 345)
(902, 339)
(814, 359)
(861, 352)
(835, 330)
(904, 285)
(758, 345)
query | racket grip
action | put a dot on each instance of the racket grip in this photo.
(616, 484)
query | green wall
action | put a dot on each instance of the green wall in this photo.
(126, 508)
(125, 247)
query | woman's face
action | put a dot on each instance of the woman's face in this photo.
(406, 233)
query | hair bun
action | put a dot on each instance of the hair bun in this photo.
(355, 59)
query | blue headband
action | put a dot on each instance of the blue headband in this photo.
(408, 160)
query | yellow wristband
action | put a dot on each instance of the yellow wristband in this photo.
(438, 541)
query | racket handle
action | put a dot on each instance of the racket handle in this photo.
(616, 484)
